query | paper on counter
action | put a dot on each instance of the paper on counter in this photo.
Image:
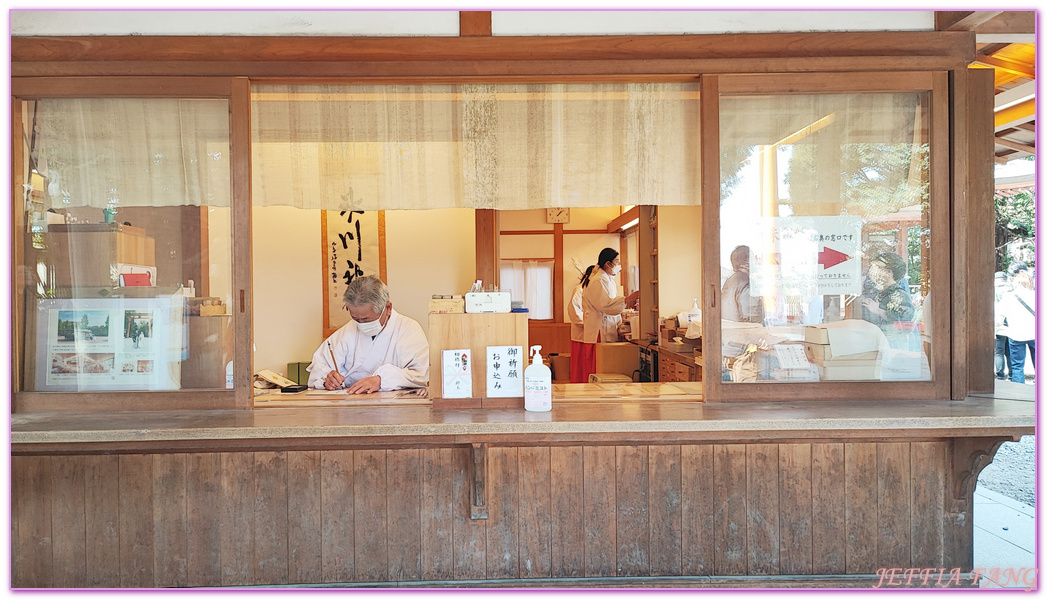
(457, 373)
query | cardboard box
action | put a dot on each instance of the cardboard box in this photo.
(447, 305)
(818, 353)
(850, 370)
(618, 357)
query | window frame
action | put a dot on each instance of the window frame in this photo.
(235, 90)
(937, 84)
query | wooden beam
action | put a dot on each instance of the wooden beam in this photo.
(981, 230)
(173, 50)
(1010, 66)
(1019, 113)
(962, 20)
(487, 245)
(617, 223)
(1016, 146)
(240, 179)
(558, 287)
(1010, 23)
(472, 23)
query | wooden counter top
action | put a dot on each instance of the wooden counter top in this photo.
(1008, 412)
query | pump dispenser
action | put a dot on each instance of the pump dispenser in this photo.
(538, 383)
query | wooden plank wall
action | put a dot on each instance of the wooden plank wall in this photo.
(389, 515)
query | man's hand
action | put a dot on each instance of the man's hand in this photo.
(334, 380)
(366, 385)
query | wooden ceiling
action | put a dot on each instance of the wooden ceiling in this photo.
(1005, 43)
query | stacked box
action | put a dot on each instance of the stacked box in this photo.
(296, 372)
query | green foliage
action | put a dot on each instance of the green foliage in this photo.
(1015, 222)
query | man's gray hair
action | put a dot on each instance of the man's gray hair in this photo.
(367, 290)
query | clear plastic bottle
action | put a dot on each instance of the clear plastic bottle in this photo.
(538, 383)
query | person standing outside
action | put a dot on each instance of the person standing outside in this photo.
(1002, 351)
(1017, 310)
(379, 350)
(738, 303)
(602, 308)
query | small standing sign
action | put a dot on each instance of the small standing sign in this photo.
(457, 374)
(505, 372)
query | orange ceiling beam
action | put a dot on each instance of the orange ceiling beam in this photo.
(1018, 112)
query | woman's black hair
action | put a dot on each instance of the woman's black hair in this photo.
(606, 255)
(587, 274)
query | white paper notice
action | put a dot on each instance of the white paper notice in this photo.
(791, 356)
(458, 374)
(504, 372)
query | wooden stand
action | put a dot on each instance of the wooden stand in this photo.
(450, 331)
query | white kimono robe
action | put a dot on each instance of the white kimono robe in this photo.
(399, 354)
(574, 310)
(601, 308)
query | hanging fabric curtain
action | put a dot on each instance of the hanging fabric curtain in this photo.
(509, 147)
(113, 152)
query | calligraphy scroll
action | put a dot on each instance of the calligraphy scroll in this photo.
(353, 246)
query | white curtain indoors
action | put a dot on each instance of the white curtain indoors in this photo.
(113, 152)
(510, 147)
(530, 282)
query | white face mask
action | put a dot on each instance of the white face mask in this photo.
(371, 328)
(616, 269)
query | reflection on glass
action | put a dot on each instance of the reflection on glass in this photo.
(825, 237)
(127, 244)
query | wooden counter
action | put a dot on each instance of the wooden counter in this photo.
(599, 490)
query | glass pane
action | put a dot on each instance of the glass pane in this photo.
(825, 237)
(127, 244)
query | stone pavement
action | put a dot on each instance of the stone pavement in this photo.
(1004, 536)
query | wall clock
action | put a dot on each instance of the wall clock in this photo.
(557, 215)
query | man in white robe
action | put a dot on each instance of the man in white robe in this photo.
(379, 350)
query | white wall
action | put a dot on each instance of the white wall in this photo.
(650, 22)
(235, 22)
(428, 252)
(679, 258)
(445, 22)
(288, 286)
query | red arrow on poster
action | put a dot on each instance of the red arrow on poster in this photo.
(829, 258)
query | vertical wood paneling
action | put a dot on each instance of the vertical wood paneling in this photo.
(469, 535)
(632, 487)
(170, 560)
(761, 474)
(828, 510)
(102, 509)
(237, 510)
(304, 536)
(270, 518)
(404, 483)
(336, 517)
(31, 509)
(203, 519)
(929, 469)
(567, 550)
(598, 490)
(437, 516)
(665, 512)
(136, 520)
(697, 502)
(503, 549)
(68, 526)
(860, 498)
(369, 485)
(893, 511)
(535, 512)
(794, 476)
(730, 513)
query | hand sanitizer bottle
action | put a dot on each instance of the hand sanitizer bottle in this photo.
(538, 383)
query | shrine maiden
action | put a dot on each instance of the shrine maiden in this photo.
(379, 350)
